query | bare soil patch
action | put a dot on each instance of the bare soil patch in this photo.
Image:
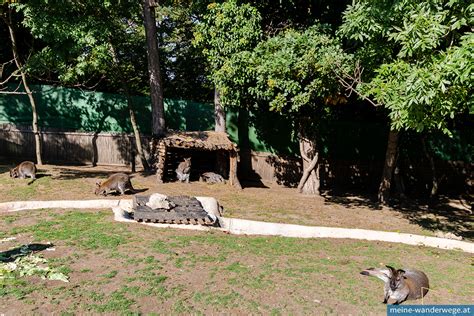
(271, 203)
(118, 268)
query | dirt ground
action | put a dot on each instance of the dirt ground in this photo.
(118, 268)
(269, 202)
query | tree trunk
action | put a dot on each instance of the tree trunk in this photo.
(434, 178)
(136, 133)
(133, 120)
(310, 182)
(219, 113)
(389, 166)
(156, 88)
(19, 65)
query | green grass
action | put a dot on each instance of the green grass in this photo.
(25, 189)
(206, 273)
(16, 288)
(110, 274)
(115, 302)
(83, 229)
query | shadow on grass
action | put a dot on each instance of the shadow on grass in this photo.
(115, 193)
(70, 174)
(438, 214)
(43, 175)
(12, 254)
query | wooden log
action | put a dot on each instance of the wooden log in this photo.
(233, 179)
(161, 165)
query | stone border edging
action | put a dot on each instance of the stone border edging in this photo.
(31, 205)
(249, 227)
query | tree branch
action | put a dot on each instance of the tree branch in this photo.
(350, 82)
(13, 74)
(2, 91)
(302, 150)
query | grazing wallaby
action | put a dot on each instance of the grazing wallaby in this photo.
(183, 170)
(401, 285)
(211, 178)
(26, 168)
(119, 182)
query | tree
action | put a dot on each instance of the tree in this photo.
(226, 30)
(183, 65)
(6, 14)
(418, 56)
(84, 50)
(156, 86)
(293, 72)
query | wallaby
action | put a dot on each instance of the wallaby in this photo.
(26, 168)
(401, 285)
(119, 182)
(211, 178)
(183, 170)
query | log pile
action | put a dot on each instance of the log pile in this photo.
(177, 210)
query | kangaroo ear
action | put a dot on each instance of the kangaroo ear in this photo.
(401, 272)
(392, 270)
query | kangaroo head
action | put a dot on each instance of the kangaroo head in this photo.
(97, 188)
(396, 277)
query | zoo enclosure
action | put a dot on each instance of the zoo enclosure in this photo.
(93, 127)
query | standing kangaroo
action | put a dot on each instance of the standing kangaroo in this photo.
(401, 285)
(183, 170)
(119, 182)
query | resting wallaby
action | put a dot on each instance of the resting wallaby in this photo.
(119, 182)
(401, 285)
(183, 170)
(211, 178)
(24, 169)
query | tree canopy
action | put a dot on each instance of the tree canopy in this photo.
(418, 56)
(81, 39)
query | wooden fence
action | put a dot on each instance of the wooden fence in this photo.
(70, 147)
(63, 147)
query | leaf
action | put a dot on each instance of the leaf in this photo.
(58, 276)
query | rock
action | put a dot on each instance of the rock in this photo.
(159, 201)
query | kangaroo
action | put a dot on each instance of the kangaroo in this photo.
(211, 178)
(401, 285)
(119, 182)
(183, 170)
(24, 169)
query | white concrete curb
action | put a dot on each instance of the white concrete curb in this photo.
(31, 205)
(242, 226)
(248, 227)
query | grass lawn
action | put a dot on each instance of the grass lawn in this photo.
(119, 268)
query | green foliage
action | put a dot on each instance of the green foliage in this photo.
(86, 41)
(227, 32)
(296, 69)
(182, 63)
(419, 56)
